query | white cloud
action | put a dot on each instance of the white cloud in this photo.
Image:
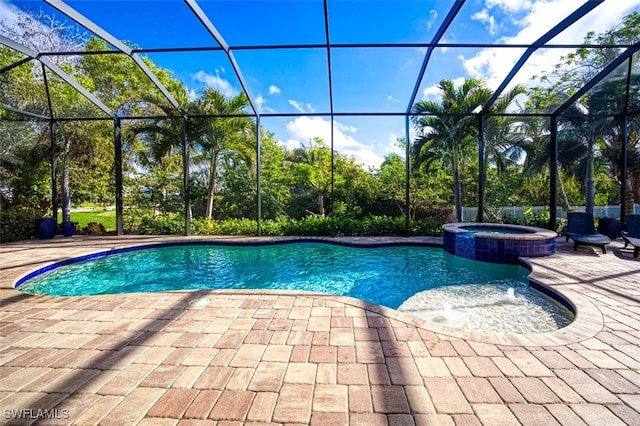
(304, 128)
(301, 106)
(510, 6)
(345, 128)
(216, 82)
(261, 104)
(491, 64)
(535, 19)
(393, 147)
(433, 93)
(448, 37)
(259, 101)
(487, 19)
(433, 16)
(274, 90)
(392, 99)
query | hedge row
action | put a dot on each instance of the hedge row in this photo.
(18, 223)
(311, 226)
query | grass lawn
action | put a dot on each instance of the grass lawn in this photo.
(106, 218)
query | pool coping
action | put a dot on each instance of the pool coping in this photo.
(587, 323)
(534, 233)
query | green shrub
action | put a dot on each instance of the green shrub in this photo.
(429, 226)
(385, 225)
(272, 227)
(309, 226)
(162, 225)
(348, 226)
(18, 223)
(205, 226)
(531, 218)
(242, 226)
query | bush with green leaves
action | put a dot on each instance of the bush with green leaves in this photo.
(169, 224)
(18, 223)
(309, 226)
(539, 220)
(428, 226)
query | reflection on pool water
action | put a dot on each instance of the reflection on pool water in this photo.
(383, 275)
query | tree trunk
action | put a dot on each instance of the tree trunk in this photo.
(65, 184)
(567, 206)
(457, 186)
(628, 195)
(321, 204)
(590, 185)
(211, 192)
(457, 195)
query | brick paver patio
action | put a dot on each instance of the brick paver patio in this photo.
(275, 357)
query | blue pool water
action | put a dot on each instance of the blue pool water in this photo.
(382, 275)
(494, 230)
(427, 282)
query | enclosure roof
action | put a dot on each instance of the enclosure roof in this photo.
(312, 60)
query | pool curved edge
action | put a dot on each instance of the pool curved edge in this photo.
(588, 319)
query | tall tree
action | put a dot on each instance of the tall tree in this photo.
(276, 180)
(445, 128)
(157, 143)
(24, 88)
(311, 166)
(225, 130)
(607, 99)
(503, 141)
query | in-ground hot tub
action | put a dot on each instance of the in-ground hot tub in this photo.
(497, 242)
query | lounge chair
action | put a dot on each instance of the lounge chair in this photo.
(632, 234)
(581, 229)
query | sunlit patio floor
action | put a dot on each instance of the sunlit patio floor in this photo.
(264, 357)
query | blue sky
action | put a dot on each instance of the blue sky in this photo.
(364, 80)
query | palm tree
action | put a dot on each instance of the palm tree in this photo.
(217, 127)
(226, 132)
(158, 143)
(537, 141)
(606, 97)
(312, 168)
(503, 141)
(444, 128)
(580, 134)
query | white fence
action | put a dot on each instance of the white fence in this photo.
(471, 213)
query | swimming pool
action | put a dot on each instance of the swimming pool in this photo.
(383, 275)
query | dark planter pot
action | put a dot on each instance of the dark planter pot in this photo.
(46, 228)
(609, 226)
(67, 228)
